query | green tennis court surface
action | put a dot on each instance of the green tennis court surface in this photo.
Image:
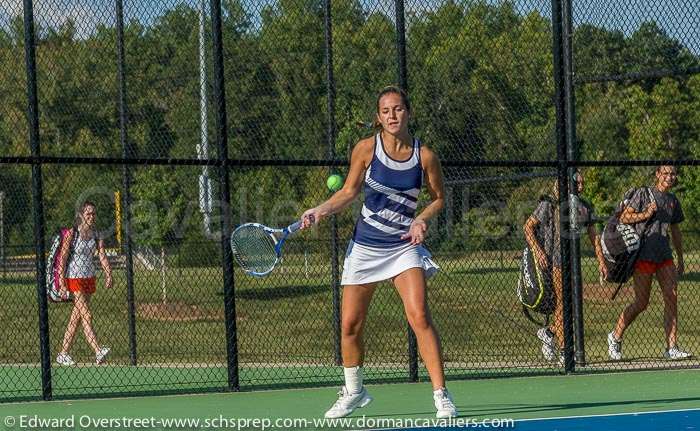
(505, 398)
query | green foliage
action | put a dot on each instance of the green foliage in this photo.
(160, 206)
(481, 81)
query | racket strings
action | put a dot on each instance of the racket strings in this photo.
(254, 249)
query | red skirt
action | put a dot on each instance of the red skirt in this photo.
(85, 285)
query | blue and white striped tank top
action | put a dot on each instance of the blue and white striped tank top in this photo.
(391, 197)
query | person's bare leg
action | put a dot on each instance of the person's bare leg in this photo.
(71, 330)
(412, 288)
(557, 327)
(668, 280)
(355, 303)
(642, 288)
(82, 301)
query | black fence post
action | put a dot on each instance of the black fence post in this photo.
(3, 265)
(219, 94)
(38, 199)
(127, 152)
(403, 83)
(331, 135)
(562, 177)
(572, 156)
(401, 43)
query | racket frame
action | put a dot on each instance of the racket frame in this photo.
(278, 242)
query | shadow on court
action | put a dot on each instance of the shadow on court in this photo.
(280, 292)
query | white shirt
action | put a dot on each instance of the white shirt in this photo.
(81, 263)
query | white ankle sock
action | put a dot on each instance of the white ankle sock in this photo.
(353, 379)
(439, 391)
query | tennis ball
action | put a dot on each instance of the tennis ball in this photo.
(334, 182)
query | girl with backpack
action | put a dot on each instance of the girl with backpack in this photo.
(77, 275)
(542, 235)
(661, 216)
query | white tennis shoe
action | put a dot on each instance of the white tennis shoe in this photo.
(444, 404)
(64, 359)
(101, 355)
(675, 354)
(547, 338)
(614, 347)
(347, 403)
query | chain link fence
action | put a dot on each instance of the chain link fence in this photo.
(130, 98)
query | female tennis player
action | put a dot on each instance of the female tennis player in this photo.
(386, 245)
(77, 274)
(542, 235)
(655, 258)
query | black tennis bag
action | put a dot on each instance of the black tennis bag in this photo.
(535, 290)
(621, 242)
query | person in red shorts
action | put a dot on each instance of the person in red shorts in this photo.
(77, 274)
(655, 259)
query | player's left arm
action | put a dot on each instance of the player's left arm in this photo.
(104, 262)
(677, 239)
(595, 241)
(436, 188)
(434, 183)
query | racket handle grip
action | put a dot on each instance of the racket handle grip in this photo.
(294, 227)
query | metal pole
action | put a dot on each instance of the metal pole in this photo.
(2, 232)
(401, 43)
(403, 83)
(127, 152)
(572, 156)
(37, 194)
(562, 177)
(203, 147)
(331, 135)
(222, 146)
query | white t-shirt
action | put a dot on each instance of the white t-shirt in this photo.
(81, 263)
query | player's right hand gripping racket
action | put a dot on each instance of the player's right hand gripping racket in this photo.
(258, 248)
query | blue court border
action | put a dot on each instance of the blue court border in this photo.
(669, 420)
(672, 420)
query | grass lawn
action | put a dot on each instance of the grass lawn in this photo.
(285, 326)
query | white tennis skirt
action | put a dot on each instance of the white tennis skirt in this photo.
(365, 264)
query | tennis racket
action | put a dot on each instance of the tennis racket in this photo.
(257, 248)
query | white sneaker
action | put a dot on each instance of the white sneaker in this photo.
(64, 359)
(101, 355)
(674, 353)
(614, 347)
(547, 338)
(444, 405)
(347, 403)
